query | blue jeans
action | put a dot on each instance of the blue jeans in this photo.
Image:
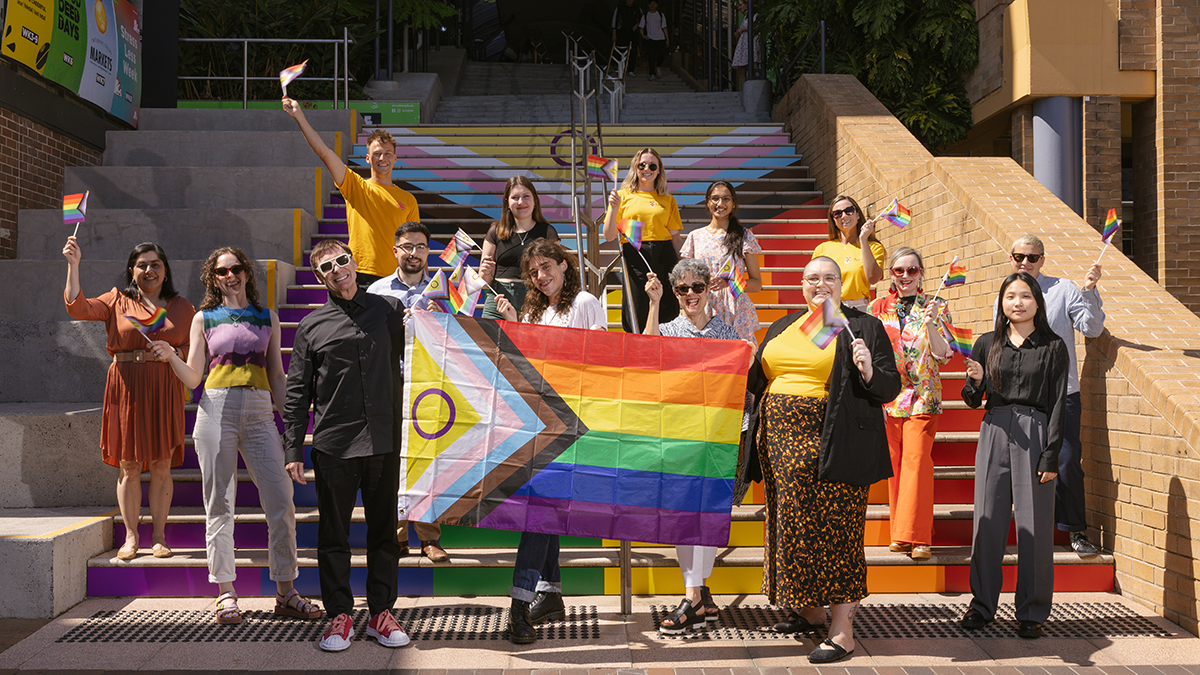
(537, 566)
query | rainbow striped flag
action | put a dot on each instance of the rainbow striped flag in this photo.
(1111, 224)
(75, 208)
(957, 274)
(822, 327)
(598, 167)
(632, 229)
(156, 322)
(436, 291)
(960, 339)
(732, 273)
(290, 73)
(462, 300)
(541, 429)
(458, 248)
(896, 214)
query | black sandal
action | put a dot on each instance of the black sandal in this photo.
(711, 611)
(794, 623)
(682, 619)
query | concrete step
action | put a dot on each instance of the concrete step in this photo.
(45, 553)
(127, 187)
(181, 119)
(219, 148)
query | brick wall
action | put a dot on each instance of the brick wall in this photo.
(988, 76)
(1101, 158)
(32, 159)
(1135, 34)
(1141, 411)
(1022, 137)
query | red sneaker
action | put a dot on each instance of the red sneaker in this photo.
(337, 636)
(384, 628)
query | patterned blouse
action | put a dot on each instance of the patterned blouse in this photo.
(738, 312)
(919, 368)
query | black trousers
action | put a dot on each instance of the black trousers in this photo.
(662, 258)
(655, 50)
(338, 483)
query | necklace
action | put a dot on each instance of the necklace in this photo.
(524, 234)
(240, 315)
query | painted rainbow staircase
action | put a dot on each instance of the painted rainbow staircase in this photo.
(457, 175)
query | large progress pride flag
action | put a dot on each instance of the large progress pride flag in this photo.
(565, 431)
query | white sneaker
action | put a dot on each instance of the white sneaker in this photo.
(384, 628)
(651, 77)
(337, 636)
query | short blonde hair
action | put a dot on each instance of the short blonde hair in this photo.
(1029, 240)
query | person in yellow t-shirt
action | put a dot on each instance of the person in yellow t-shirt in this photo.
(644, 196)
(861, 267)
(374, 207)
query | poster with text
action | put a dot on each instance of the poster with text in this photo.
(27, 28)
(127, 87)
(67, 46)
(98, 81)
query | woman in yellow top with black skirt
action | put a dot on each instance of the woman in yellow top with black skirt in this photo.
(862, 267)
(644, 196)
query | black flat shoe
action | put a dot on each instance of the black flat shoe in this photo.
(828, 652)
(682, 619)
(711, 611)
(794, 623)
(546, 607)
(974, 620)
(1030, 630)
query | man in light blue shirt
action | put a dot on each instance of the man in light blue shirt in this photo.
(408, 283)
(1069, 309)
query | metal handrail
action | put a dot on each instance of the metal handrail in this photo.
(786, 67)
(246, 78)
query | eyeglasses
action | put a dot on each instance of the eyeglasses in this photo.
(905, 271)
(697, 288)
(848, 211)
(1033, 257)
(236, 269)
(413, 248)
(828, 280)
(340, 261)
(721, 199)
(642, 166)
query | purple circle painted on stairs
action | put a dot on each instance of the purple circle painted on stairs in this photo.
(449, 422)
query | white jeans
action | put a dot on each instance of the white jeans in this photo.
(242, 418)
(696, 563)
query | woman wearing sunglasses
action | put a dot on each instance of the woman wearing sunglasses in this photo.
(915, 329)
(142, 427)
(690, 281)
(644, 196)
(722, 240)
(862, 266)
(236, 340)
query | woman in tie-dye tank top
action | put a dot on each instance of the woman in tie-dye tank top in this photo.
(237, 340)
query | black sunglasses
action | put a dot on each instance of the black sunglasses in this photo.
(1033, 257)
(327, 266)
(642, 166)
(236, 269)
(696, 288)
(838, 213)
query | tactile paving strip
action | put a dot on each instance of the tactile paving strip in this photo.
(1067, 620)
(421, 623)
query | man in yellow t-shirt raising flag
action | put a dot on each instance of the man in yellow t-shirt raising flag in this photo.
(375, 207)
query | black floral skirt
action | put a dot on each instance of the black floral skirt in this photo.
(813, 553)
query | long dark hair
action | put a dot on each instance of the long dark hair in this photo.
(208, 277)
(834, 232)
(507, 223)
(1041, 322)
(131, 289)
(735, 234)
(536, 301)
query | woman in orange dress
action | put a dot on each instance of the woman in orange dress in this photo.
(143, 427)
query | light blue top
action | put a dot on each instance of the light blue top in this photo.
(1070, 309)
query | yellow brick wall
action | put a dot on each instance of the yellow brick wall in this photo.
(1140, 379)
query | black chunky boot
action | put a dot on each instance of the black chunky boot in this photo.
(520, 631)
(546, 607)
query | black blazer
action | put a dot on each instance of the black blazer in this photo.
(854, 446)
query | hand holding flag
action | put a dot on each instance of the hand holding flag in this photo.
(823, 326)
(75, 210)
(896, 214)
(1112, 225)
(157, 321)
(955, 275)
(733, 274)
(290, 73)
(436, 292)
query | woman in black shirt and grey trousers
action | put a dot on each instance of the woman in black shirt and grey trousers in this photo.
(1021, 367)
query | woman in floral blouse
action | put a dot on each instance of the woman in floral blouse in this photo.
(914, 326)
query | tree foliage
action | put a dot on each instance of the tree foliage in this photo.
(288, 20)
(911, 54)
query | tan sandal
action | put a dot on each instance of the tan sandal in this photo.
(161, 550)
(228, 613)
(124, 553)
(296, 606)
(921, 552)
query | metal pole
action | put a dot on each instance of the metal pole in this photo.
(376, 71)
(391, 39)
(729, 44)
(626, 578)
(822, 47)
(753, 74)
(346, 64)
(405, 48)
(245, 73)
(708, 43)
(335, 72)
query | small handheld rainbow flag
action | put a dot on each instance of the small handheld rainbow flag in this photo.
(598, 167)
(1111, 224)
(472, 282)
(436, 291)
(822, 327)
(632, 229)
(290, 73)
(957, 274)
(732, 273)
(461, 300)
(75, 209)
(960, 339)
(896, 214)
(156, 322)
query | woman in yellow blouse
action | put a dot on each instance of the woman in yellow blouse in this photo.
(862, 267)
(644, 196)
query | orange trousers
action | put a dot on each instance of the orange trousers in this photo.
(910, 489)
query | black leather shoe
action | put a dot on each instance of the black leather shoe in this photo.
(828, 652)
(794, 623)
(546, 607)
(520, 631)
(974, 620)
(1030, 630)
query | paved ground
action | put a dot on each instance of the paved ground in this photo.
(1089, 634)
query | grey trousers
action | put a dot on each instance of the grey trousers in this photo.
(1011, 441)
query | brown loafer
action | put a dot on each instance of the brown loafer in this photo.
(899, 547)
(921, 552)
(434, 552)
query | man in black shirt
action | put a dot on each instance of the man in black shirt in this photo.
(341, 364)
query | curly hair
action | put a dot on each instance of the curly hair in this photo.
(507, 223)
(536, 301)
(208, 277)
(630, 184)
(168, 285)
(383, 136)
